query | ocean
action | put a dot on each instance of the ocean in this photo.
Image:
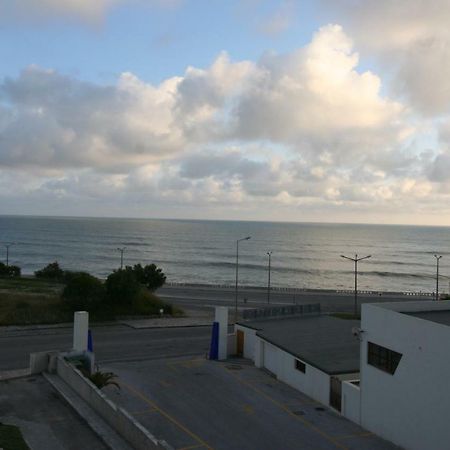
(305, 255)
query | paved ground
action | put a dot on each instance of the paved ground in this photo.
(46, 422)
(196, 403)
(113, 343)
(202, 298)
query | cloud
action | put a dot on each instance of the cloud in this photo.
(301, 132)
(91, 11)
(280, 20)
(412, 39)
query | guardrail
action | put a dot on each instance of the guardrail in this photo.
(277, 311)
(295, 290)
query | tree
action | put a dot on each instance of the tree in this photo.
(84, 292)
(122, 288)
(153, 277)
(51, 271)
(9, 271)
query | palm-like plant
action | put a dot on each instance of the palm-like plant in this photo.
(103, 379)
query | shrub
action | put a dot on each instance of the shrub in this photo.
(84, 292)
(122, 288)
(51, 271)
(153, 277)
(9, 271)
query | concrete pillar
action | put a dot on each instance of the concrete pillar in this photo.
(80, 331)
(222, 319)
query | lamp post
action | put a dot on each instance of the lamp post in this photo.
(437, 275)
(355, 260)
(121, 250)
(7, 252)
(269, 254)
(237, 276)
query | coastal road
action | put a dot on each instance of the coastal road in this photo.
(111, 343)
(203, 298)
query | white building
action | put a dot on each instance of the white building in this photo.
(390, 374)
(312, 353)
(405, 373)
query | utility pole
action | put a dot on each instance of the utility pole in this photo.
(121, 250)
(237, 277)
(355, 260)
(268, 281)
(437, 276)
(7, 252)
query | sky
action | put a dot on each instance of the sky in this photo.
(277, 110)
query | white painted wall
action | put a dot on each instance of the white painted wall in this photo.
(314, 382)
(411, 407)
(221, 316)
(80, 330)
(249, 341)
(351, 401)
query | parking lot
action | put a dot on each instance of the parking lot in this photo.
(197, 403)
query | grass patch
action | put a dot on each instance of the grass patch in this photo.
(11, 438)
(33, 301)
(346, 316)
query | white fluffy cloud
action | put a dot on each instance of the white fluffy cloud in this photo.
(302, 132)
(412, 39)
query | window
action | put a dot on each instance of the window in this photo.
(300, 365)
(382, 358)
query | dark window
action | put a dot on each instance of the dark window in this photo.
(383, 358)
(300, 366)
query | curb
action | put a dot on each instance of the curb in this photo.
(14, 374)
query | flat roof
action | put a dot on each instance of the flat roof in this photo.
(322, 341)
(442, 316)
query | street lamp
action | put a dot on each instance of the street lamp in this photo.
(269, 254)
(437, 275)
(355, 260)
(7, 251)
(121, 250)
(237, 275)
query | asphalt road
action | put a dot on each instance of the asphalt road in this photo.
(203, 298)
(122, 343)
(111, 343)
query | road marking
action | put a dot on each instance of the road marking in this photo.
(188, 448)
(143, 411)
(143, 397)
(284, 408)
(349, 436)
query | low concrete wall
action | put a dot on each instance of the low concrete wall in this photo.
(118, 418)
(351, 404)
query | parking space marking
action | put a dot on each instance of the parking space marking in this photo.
(143, 411)
(191, 447)
(284, 408)
(349, 436)
(143, 397)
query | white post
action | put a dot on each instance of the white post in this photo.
(80, 331)
(222, 318)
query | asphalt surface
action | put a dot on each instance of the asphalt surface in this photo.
(111, 343)
(202, 298)
(45, 421)
(231, 405)
(122, 343)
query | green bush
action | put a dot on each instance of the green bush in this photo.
(84, 292)
(51, 271)
(122, 287)
(9, 271)
(151, 276)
